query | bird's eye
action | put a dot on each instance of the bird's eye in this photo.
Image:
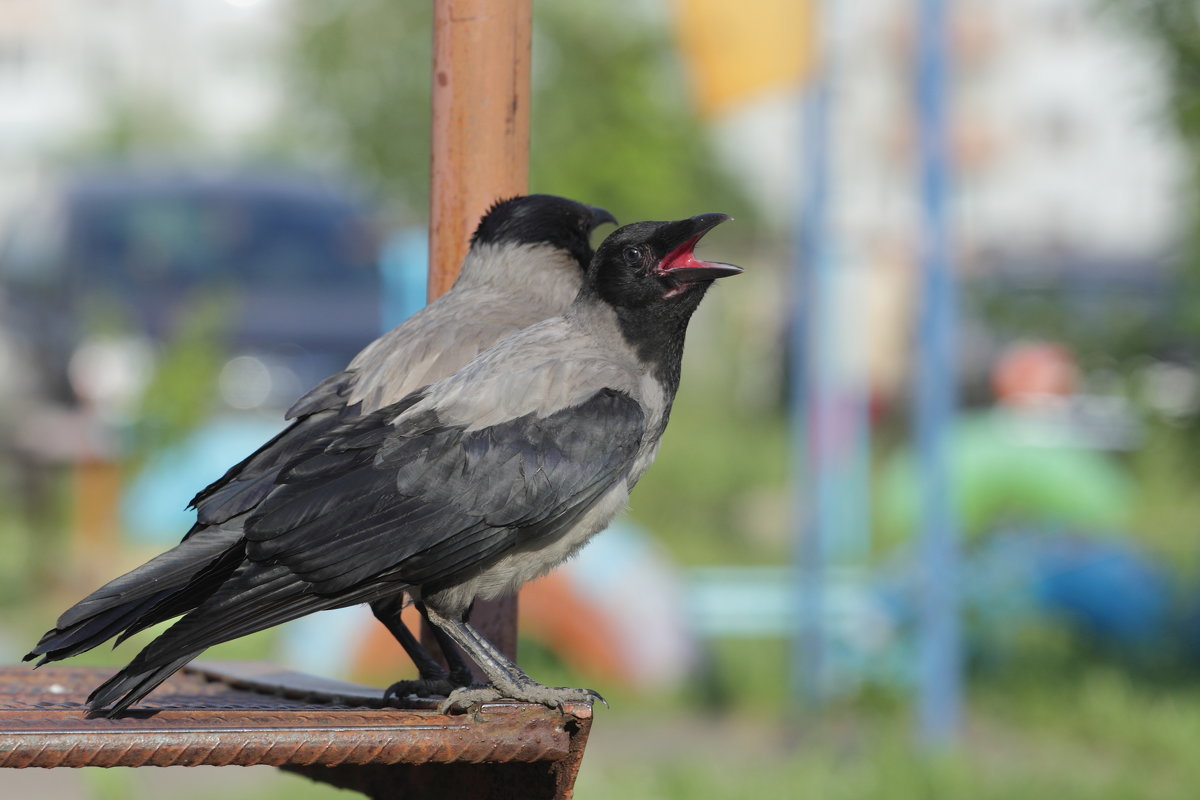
(633, 255)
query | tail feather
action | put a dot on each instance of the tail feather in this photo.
(59, 643)
(253, 599)
(163, 587)
(195, 592)
(132, 685)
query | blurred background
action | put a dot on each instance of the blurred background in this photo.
(210, 205)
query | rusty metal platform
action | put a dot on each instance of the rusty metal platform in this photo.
(339, 733)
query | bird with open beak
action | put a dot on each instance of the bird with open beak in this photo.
(472, 485)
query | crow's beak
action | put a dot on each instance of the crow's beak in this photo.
(681, 262)
(600, 216)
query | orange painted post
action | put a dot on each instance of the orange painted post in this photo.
(480, 121)
(481, 52)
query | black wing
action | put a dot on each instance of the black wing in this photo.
(182, 578)
(246, 483)
(422, 501)
(383, 506)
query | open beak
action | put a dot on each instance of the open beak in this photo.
(681, 263)
(601, 216)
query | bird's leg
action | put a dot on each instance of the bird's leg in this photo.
(507, 679)
(434, 679)
(460, 670)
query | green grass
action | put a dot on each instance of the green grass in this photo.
(1167, 500)
(1096, 737)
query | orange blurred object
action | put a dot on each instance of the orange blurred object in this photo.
(551, 611)
(378, 657)
(1032, 371)
(557, 614)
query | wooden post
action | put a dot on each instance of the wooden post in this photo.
(480, 155)
(480, 121)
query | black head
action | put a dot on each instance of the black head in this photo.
(543, 219)
(649, 274)
(654, 264)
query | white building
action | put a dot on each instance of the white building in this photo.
(1061, 143)
(209, 68)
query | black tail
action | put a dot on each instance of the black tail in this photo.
(254, 598)
(133, 685)
(162, 588)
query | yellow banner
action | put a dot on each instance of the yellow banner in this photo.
(735, 50)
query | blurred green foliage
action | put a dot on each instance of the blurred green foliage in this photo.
(178, 397)
(1172, 27)
(1167, 499)
(611, 123)
(361, 87)
(135, 126)
(717, 466)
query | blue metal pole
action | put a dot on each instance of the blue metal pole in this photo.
(809, 402)
(939, 646)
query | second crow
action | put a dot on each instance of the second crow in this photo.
(525, 263)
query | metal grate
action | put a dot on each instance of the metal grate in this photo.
(246, 714)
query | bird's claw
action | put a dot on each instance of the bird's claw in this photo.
(420, 687)
(468, 699)
(555, 697)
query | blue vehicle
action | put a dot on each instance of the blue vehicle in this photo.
(292, 261)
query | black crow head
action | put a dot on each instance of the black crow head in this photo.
(649, 275)
(651, 263)
(543, 219)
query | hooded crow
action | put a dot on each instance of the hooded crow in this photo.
(470, 486)
(525, 263)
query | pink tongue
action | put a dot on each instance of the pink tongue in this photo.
(683, 257)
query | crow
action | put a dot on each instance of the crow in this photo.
(525, 263)
(467, 487)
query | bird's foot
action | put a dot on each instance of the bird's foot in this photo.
(556, 697)
(420, 687)
(468, 698)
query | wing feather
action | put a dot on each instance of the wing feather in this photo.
(420, 501)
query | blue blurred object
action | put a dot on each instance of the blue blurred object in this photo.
(1105, 589)
(404, 268)
(934, 393)
(1100, 586)
(153, 507)
(809, 402)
